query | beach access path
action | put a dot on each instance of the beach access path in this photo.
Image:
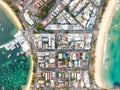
(104, 28)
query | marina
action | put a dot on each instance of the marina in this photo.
(14, 64)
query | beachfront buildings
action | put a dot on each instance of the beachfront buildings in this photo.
(61, 42)
(32, 5)
(63, 55)
(28, 10)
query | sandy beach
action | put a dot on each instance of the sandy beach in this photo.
(104, 28)
(18, 24)
(27, 86)
(11, 13)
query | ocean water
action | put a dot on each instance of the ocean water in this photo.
(111, 61)
(7, 28)
(14, 70)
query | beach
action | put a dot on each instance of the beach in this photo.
(27, 86)
(101, 40)
(18, 25)
(11, 13)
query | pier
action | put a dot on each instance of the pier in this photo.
(11, 43)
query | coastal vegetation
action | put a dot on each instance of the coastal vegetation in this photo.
(34, 58)
(96, 31)
(15, 9)
(105, 3)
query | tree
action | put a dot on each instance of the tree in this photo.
(50, 31)
(67, 8)
(40, 27)
(36, 32)
(8, 1)
(63, 59)
(68, 59)
(43, 14)
(67, 31)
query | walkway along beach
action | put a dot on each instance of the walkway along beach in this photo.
(104, 28)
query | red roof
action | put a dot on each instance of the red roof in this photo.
(17, 4)
(45, 0)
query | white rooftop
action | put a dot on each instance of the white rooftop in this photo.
(25, 47)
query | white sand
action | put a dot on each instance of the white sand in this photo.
(27, 86)
(104, 28)
(11, 13)
(18, 24)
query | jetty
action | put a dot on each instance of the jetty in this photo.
(5, 45)
(19, 40)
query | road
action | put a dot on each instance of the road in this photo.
(29, 36)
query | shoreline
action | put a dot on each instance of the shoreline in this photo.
(11, 14)
(30, 76)
(18, 24)
(101, 40)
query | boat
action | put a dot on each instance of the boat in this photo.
(15, 60)
(3, 52)
(12, 48)
(2, 29)
(18, 54)
(9, 56)
(21, 52)
(2, 88)
(17, 45)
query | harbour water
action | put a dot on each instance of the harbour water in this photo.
(14, 65)
(7, 28)
(111, 59)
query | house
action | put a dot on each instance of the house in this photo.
(86, 79)
(60, 56)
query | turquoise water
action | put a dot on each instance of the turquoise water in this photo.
(7, 28)
(14, 70)
(111, 63)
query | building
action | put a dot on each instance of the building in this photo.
(27, 18)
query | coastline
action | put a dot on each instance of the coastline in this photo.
(18, 24)
(101, 40)
(11, 14)
(29, 81)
